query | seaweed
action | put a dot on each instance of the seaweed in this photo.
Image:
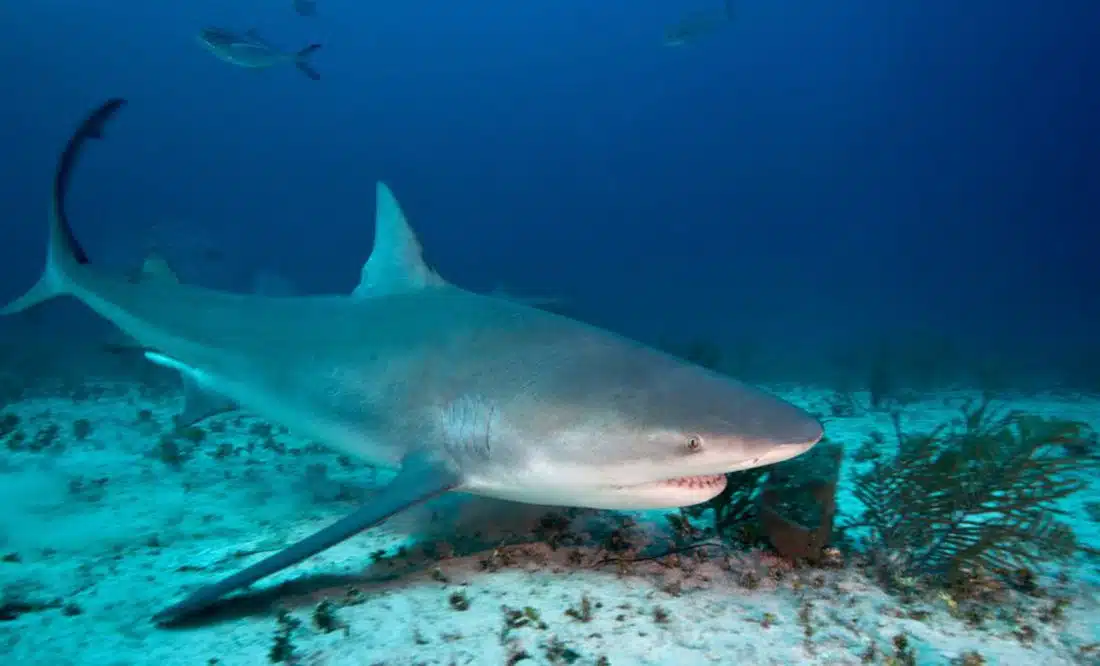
(975, 493)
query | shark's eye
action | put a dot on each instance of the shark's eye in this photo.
(694, 443)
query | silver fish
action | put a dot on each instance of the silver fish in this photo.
(253, 52)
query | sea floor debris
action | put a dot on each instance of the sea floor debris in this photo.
(111, 513)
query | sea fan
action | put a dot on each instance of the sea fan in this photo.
(736, 508)
(975, 493)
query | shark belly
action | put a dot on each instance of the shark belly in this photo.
(286, 394)
(303, 419)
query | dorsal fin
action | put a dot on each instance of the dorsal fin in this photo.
(156, 269)
(396, 263)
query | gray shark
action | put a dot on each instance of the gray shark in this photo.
(457, 391)
(254, 52)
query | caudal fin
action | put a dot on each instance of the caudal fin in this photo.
(302, 62)
(64, 255)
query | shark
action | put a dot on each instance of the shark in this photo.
(454, 390)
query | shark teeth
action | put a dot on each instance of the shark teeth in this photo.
(707, 481)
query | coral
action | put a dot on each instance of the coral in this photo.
(736, 508)
(903, 652)
(169, 452)
(979, 492)
(82, 428)
(582, 613)
(282, 648)
(48, 438)
(9, 423)
(557, 652)
(193, 434)
(798, 503)
(790, 505)
(793, 539)
(11, 432)
(325, 618)
(23, 596)
(459, 601)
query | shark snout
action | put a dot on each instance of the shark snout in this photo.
(748, 427)
(780, 431)
(739, 426)
(797, 428)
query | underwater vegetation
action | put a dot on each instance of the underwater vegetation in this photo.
(790, 507)
(979, 492)
(940, 532)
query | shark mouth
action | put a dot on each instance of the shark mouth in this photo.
(709, 481)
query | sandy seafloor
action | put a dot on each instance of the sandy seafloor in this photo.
(99, 532)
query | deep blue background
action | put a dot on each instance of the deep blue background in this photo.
(820, 169)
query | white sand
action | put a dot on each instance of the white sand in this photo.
(105, 533)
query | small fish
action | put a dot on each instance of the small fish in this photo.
(693, 28)
(252, 51)
(306, 7)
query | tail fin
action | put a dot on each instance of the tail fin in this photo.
(301, 61)
(63, 252)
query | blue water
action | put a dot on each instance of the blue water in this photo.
(822, 196)
(814, 175)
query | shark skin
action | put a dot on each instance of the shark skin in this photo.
(458, 391)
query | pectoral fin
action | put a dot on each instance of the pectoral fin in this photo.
(200, 401)
(200, 404)
(418, 481)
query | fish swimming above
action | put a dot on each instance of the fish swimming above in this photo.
(457, 391)
(693, 28)
(251, 51)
